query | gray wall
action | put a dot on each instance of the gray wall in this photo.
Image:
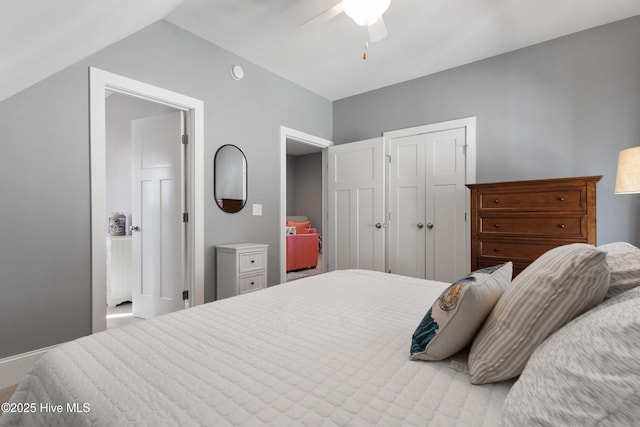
(291, 185)
(44, 172)
(308, 182)
(557, 109)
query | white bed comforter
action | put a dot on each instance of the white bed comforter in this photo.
(330, 350)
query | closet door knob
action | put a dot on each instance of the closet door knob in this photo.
(420, 225)
(429, 225)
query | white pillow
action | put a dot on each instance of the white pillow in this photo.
(586, 374)
(558, 286)
(458, 313)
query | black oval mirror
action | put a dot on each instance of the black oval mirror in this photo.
(230, 178)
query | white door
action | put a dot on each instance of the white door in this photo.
(157, 223)
(356, 205)
(427, 199)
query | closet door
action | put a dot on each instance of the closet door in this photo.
(427, 205)
(356, 205)
(407, 184)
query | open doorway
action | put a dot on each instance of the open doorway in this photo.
(187, 116)
(125, 116)
(303, 204)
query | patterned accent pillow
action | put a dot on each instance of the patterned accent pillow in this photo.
(560, 285)
(458, 313)
(585, 374)
(624, 266)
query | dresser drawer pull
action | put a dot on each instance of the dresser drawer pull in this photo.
(496, 201)
(561, 225)
(496, 250)
(496, 225)
(561, 199)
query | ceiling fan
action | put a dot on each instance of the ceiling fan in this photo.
(366, 13)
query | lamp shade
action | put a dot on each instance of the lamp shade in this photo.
(628, 176)
(365, 12)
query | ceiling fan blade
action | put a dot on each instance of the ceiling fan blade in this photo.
(325, 16)
(377, 30)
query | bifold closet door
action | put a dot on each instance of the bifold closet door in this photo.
(427, 201)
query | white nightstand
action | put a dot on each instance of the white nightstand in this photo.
(241, 268)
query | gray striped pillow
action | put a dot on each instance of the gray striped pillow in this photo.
(555, 288)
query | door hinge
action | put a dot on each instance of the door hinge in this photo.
(185, 295)
(389, 157)
(185, 139)
(465, 217)
(185, 217)
(464, 149)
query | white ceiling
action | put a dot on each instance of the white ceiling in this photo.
(40, 37)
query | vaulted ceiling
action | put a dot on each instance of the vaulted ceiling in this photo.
(41, 37)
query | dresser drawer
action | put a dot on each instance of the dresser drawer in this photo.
(251, 261)
(568, 198)
(562, 227)
(527, 251)
(250, 283)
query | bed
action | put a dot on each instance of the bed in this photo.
(328, 350)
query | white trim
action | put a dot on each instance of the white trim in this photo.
(13, 368)
(99, 81)
(287, 133)
(469, 123)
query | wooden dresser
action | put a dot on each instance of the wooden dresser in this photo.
(520, 220)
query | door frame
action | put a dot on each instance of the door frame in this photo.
(99, 82)
(469, 123)
(305, 138)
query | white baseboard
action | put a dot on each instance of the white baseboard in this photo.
(13, 368)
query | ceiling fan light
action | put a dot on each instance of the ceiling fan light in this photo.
(365, 12)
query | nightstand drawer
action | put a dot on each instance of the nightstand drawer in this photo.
(251, 283)
(251, 261)
(570, 198)
(565, 226)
